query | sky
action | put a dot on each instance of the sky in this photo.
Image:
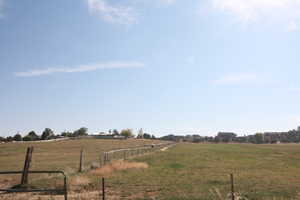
(167, 66)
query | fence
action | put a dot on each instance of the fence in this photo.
(124, 154)
(63, 190)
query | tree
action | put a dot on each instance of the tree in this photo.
(146, 136)
(66, 134)
(9, 139)
(17, 137)
(153, 137)
(259, 138)
(27, 138)
(127, 133)
(116, 132)
(33, 136)
(80, 132)
(2, 139)
(47, 134)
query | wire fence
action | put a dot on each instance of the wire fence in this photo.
(123, 154)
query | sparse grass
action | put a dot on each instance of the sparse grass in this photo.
(192, 171)
(188, 171)
(59, 155)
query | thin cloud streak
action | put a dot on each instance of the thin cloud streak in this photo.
(80, 68)
(284, 12)
(112, 14)
(169, 2)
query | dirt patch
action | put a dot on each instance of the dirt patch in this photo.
(118, 166)
(164, 149)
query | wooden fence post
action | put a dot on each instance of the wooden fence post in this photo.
(81, 161)
(65, 188)
(28, 158)
(232, 187)
(103, 188)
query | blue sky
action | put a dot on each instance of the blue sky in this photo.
(167, 66)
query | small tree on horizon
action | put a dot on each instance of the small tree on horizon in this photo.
(18, 137)
(66, 134)
(9, 139)
(80, 132)
(127, 133)
(116, 132)
(33, 136)
(47, 134)
(146, 136)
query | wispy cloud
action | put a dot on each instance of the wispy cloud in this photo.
(115, 14)
(236, 78)
(294, 89)
(274, 11)
(292, 27)
(80, 68)
(168, 1)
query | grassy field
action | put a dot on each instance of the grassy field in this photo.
(201, 171)
(185, 171)
(59, 155)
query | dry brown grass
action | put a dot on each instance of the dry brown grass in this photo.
(118, 166)
(80, 180)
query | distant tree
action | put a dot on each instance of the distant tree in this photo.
(66, 134)
(153, 137)
(27, 138)
(18, 137)
(2, 139)
(258, 138)
(116, 132)
(9, 139)
(33, 136)
(80, 132)
(110, 131)
(47, 134)
(146, 136)
(127, 133)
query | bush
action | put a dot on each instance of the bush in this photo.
(127, 133)
(27, 138)
(80, 132)
(47, 134)
(17, 137)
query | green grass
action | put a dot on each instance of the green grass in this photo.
(185, 171)
(190, 171)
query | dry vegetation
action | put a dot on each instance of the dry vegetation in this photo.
(59, 155)
(194, 171)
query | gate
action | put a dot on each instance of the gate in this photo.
(63, 191)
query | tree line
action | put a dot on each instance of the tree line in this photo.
(49, 134)
(292, 136)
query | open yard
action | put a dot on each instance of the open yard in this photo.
(184, 171)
